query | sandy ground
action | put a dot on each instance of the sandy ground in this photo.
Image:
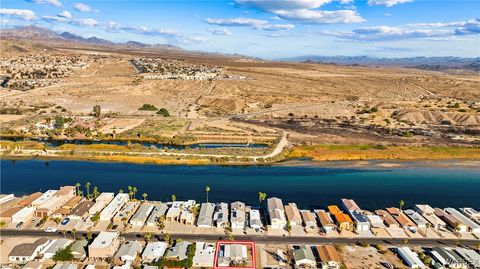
(367, 258)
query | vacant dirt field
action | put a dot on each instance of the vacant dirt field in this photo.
(299, 97)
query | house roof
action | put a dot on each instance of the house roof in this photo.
(129, 248)
(104, 239)
(274, 203)
(82, 208)
(27, 249)
(342, 217)
(307, 216)
(324, 219)
(328, 253)
(334, 209)
(79, 247)
(205, 217)
(178, 251)
(292, 212)
(350, 205)
(10, 212)
(303, 252)
(65, 190)
(29, 199)
(154, 249)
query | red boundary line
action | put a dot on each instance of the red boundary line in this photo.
(228, 242)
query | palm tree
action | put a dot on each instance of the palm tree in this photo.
(80, 193)
(261, 197)
(145, 195)
(87, 186)
(401, 204)
(148, 236)
(74, 232)
(130, 188)
(134, 189)
(174, 198)
(130, 193)
(207, 189)
(120, 191)
(78, 188)
(89, 234)
(96, 193)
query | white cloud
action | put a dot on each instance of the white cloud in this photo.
(272, 5)
(247, 22)
(427, 31)
(24, 14)
(387, 3)
(55, 19)
(84, 22)
(171, 35)
(305, 11)
(321, 17)
(64, 19)
(220, 31)
(65, 14)
(56, 3)
(81, 7)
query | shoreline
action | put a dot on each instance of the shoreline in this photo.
(463, 163)
(317, 154)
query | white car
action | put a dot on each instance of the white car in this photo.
(50, 230)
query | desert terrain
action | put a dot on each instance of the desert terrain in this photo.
(243, 101)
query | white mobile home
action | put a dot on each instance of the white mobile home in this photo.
(114, 206)
(140, 217)
(100, 202)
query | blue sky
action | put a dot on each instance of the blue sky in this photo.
(269, 29)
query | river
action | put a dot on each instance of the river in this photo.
(310, 185)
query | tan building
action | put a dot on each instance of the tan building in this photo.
(56, 201)
(400, 217)
(329, 257)
(293, 214)
(104, 246)
(325, 221)
(65, 209)
(27, 201)
(388, 220)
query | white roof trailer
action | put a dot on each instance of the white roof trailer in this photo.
(114, 206)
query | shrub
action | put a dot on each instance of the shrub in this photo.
(163, 112)
(64, 254)
(148, 107)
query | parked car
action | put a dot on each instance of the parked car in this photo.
(50, 230)
(19, 225)
(65, 221)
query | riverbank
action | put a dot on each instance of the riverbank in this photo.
(138, 154)
(373, 152)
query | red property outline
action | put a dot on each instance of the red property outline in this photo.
(226, 242)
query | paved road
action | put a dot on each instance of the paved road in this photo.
(271, 239)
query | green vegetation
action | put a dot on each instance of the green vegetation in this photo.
(207, 190)
(64, 254)
(148, 107)
(375, 152)
(97, 110)
(95, 217)
(367, 110)
(163, 112)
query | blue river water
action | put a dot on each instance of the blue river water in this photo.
(310, 186)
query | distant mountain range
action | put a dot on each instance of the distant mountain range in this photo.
(41, 34)
(426, 63)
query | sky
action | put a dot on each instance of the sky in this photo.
(269, 29)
